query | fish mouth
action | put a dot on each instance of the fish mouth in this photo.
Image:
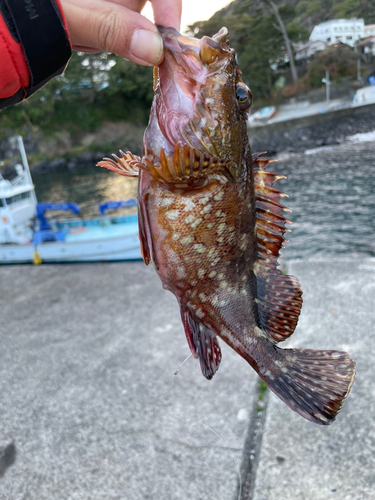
(184, 114)
(192, 54)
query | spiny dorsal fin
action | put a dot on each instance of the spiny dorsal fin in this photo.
(128, 165)
(279, 296)
(185, 165)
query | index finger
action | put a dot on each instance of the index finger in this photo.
(167, 13)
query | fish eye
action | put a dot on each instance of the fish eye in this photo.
(244, 96)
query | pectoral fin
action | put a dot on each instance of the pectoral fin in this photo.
(128, 165)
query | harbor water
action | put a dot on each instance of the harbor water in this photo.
(331, 194)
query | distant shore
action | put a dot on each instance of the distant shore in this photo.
(300, 134)
(290, 136)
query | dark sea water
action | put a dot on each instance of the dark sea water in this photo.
(331, 195)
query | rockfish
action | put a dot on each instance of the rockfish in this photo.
(212, 224)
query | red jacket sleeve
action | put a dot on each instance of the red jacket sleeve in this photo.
(34, 47)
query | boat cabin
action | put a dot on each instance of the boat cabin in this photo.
(17, 208)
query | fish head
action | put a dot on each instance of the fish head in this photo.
(200, 100)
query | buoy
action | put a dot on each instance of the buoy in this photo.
(37, 258)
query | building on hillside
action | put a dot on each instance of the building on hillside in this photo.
(369, 30)
(303, 51)
(347, 31)
(366, 47)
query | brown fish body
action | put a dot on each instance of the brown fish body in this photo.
(212, 224)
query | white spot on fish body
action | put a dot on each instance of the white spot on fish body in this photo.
(221, 228)
(181, 272)
(220, 213)
(166, 202)
(258, 332)
(203, 297)
(176, 236)
(187, 240)
(189, 219)
(269, 375)
(196, 223)
(207, 209)
(201, 273)
(204, 201)
(212, 274)
(210, 225)
(189, 205)
(211, 252)
(199, 248)
(172, 214)
(200, 313)
(219, 196)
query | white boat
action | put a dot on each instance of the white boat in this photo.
(27, 236)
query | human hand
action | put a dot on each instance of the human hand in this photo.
(117, 26)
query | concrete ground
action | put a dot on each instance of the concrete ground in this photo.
(299, 460)
(89, 397)
(90, 408)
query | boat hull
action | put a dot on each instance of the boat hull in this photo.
(111, 249)
(90, 243)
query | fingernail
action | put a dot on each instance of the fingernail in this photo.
(148, 46)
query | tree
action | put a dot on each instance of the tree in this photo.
(284, 32)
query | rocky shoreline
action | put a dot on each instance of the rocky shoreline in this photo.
(329, 129)
(292, 136)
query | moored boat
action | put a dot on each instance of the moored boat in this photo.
(27, 235)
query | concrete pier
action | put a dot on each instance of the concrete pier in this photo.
(90, 407)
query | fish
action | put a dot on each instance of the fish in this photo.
(212, 224)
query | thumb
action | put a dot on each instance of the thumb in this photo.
(99, 25)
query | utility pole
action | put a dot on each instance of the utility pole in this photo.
(359, 68)
(327, 81)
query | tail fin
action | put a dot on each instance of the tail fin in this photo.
(312, 383)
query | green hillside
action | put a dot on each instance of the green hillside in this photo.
(256, 37)
(104, 87)
(308, 12)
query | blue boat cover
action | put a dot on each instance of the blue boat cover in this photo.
(108, 205)
(42, 207)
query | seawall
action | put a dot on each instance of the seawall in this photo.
(324, 129)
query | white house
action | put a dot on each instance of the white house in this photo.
(306, 50)
(369, 30)
(347, 31)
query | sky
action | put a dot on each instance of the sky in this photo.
(193, 10)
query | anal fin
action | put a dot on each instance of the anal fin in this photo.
(203, 344)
